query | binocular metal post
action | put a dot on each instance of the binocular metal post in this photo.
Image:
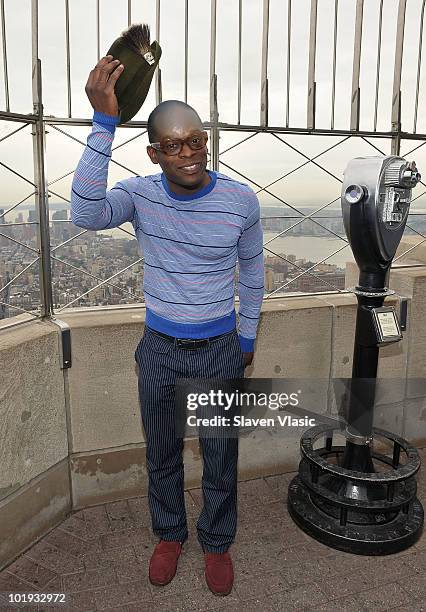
(351, 497)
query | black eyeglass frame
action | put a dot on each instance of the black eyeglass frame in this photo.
(159, 146)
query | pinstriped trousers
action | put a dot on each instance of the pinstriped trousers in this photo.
(161, 363)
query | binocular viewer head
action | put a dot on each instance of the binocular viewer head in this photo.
(375, 198)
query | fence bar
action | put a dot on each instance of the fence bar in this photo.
(355, 99)
(240, 40)
(67, 35)
(214, 112)
(158, 88)
(5, 72)
(396, 94)
(379, 56)
(264, 75)
(233, 127)
(287, 111)
(129, 13)
(186, 50)
(333, 85)
(311, 67)
(419, 65)
(98, 30)
(39, 156)
(213, 19)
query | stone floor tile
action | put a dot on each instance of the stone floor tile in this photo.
(415, 586)
(96, 520)
(183, 581)
(414, 607)
(280, 483)
(144, 549)
(74, 602)
(390, 568)
(274, 582)
(346, 604)
(197, 497)
(57, 560)
(254, 527)
(10, 584)
(261, 562)
(255, 492)
(257, 604)
(76, 526)
(32, 572)
(192, 559)
(139, 509)
(250, 588)
(66, 542)
(128, 537)
(192, 509)
(117, 595)
(197, 600)
(55, 585)
(90, 579)
(30, 608)
(120, 515)
(385, 597)
(339, 564)
(130, 570)
(299, 598)
(302, 573)
(106, 557)
(421, 542)
(417, 559)
(312, 550)
(134, 607)
(341, 586)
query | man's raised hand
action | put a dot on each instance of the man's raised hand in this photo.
(100, 85)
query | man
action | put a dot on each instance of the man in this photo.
(192, 226)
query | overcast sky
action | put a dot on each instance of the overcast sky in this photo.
(263, 158)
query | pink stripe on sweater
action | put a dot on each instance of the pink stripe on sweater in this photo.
(86, 180)
(169, 218)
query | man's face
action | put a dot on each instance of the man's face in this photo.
(186, 170)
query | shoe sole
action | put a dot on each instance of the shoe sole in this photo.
(161, 583)
(219, 593)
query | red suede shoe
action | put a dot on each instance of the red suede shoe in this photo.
(163, 563)
(219, 572)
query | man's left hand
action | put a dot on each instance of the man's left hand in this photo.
(248, 358)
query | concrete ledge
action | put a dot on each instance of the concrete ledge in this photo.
(109, 475)
(33, 431)
(28, 514)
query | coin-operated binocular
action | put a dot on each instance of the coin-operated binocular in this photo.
(351, 497)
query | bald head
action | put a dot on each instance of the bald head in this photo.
(170, 116)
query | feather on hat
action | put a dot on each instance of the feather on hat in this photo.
(140, 59)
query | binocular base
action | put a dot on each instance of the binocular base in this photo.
(362, 512)
(388, 535)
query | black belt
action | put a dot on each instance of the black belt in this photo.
(190, 343)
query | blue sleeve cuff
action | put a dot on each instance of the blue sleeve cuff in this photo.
(247, 344)
(108, 121)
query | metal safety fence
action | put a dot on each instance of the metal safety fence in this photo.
(44, 245)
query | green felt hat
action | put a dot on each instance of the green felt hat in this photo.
(140, 59)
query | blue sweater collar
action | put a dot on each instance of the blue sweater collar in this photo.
(197, 194)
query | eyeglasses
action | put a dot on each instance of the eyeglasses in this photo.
(173, 146)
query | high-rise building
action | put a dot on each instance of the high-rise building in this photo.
(58, 229)
(60, 215)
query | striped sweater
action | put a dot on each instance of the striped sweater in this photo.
(190, 244)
